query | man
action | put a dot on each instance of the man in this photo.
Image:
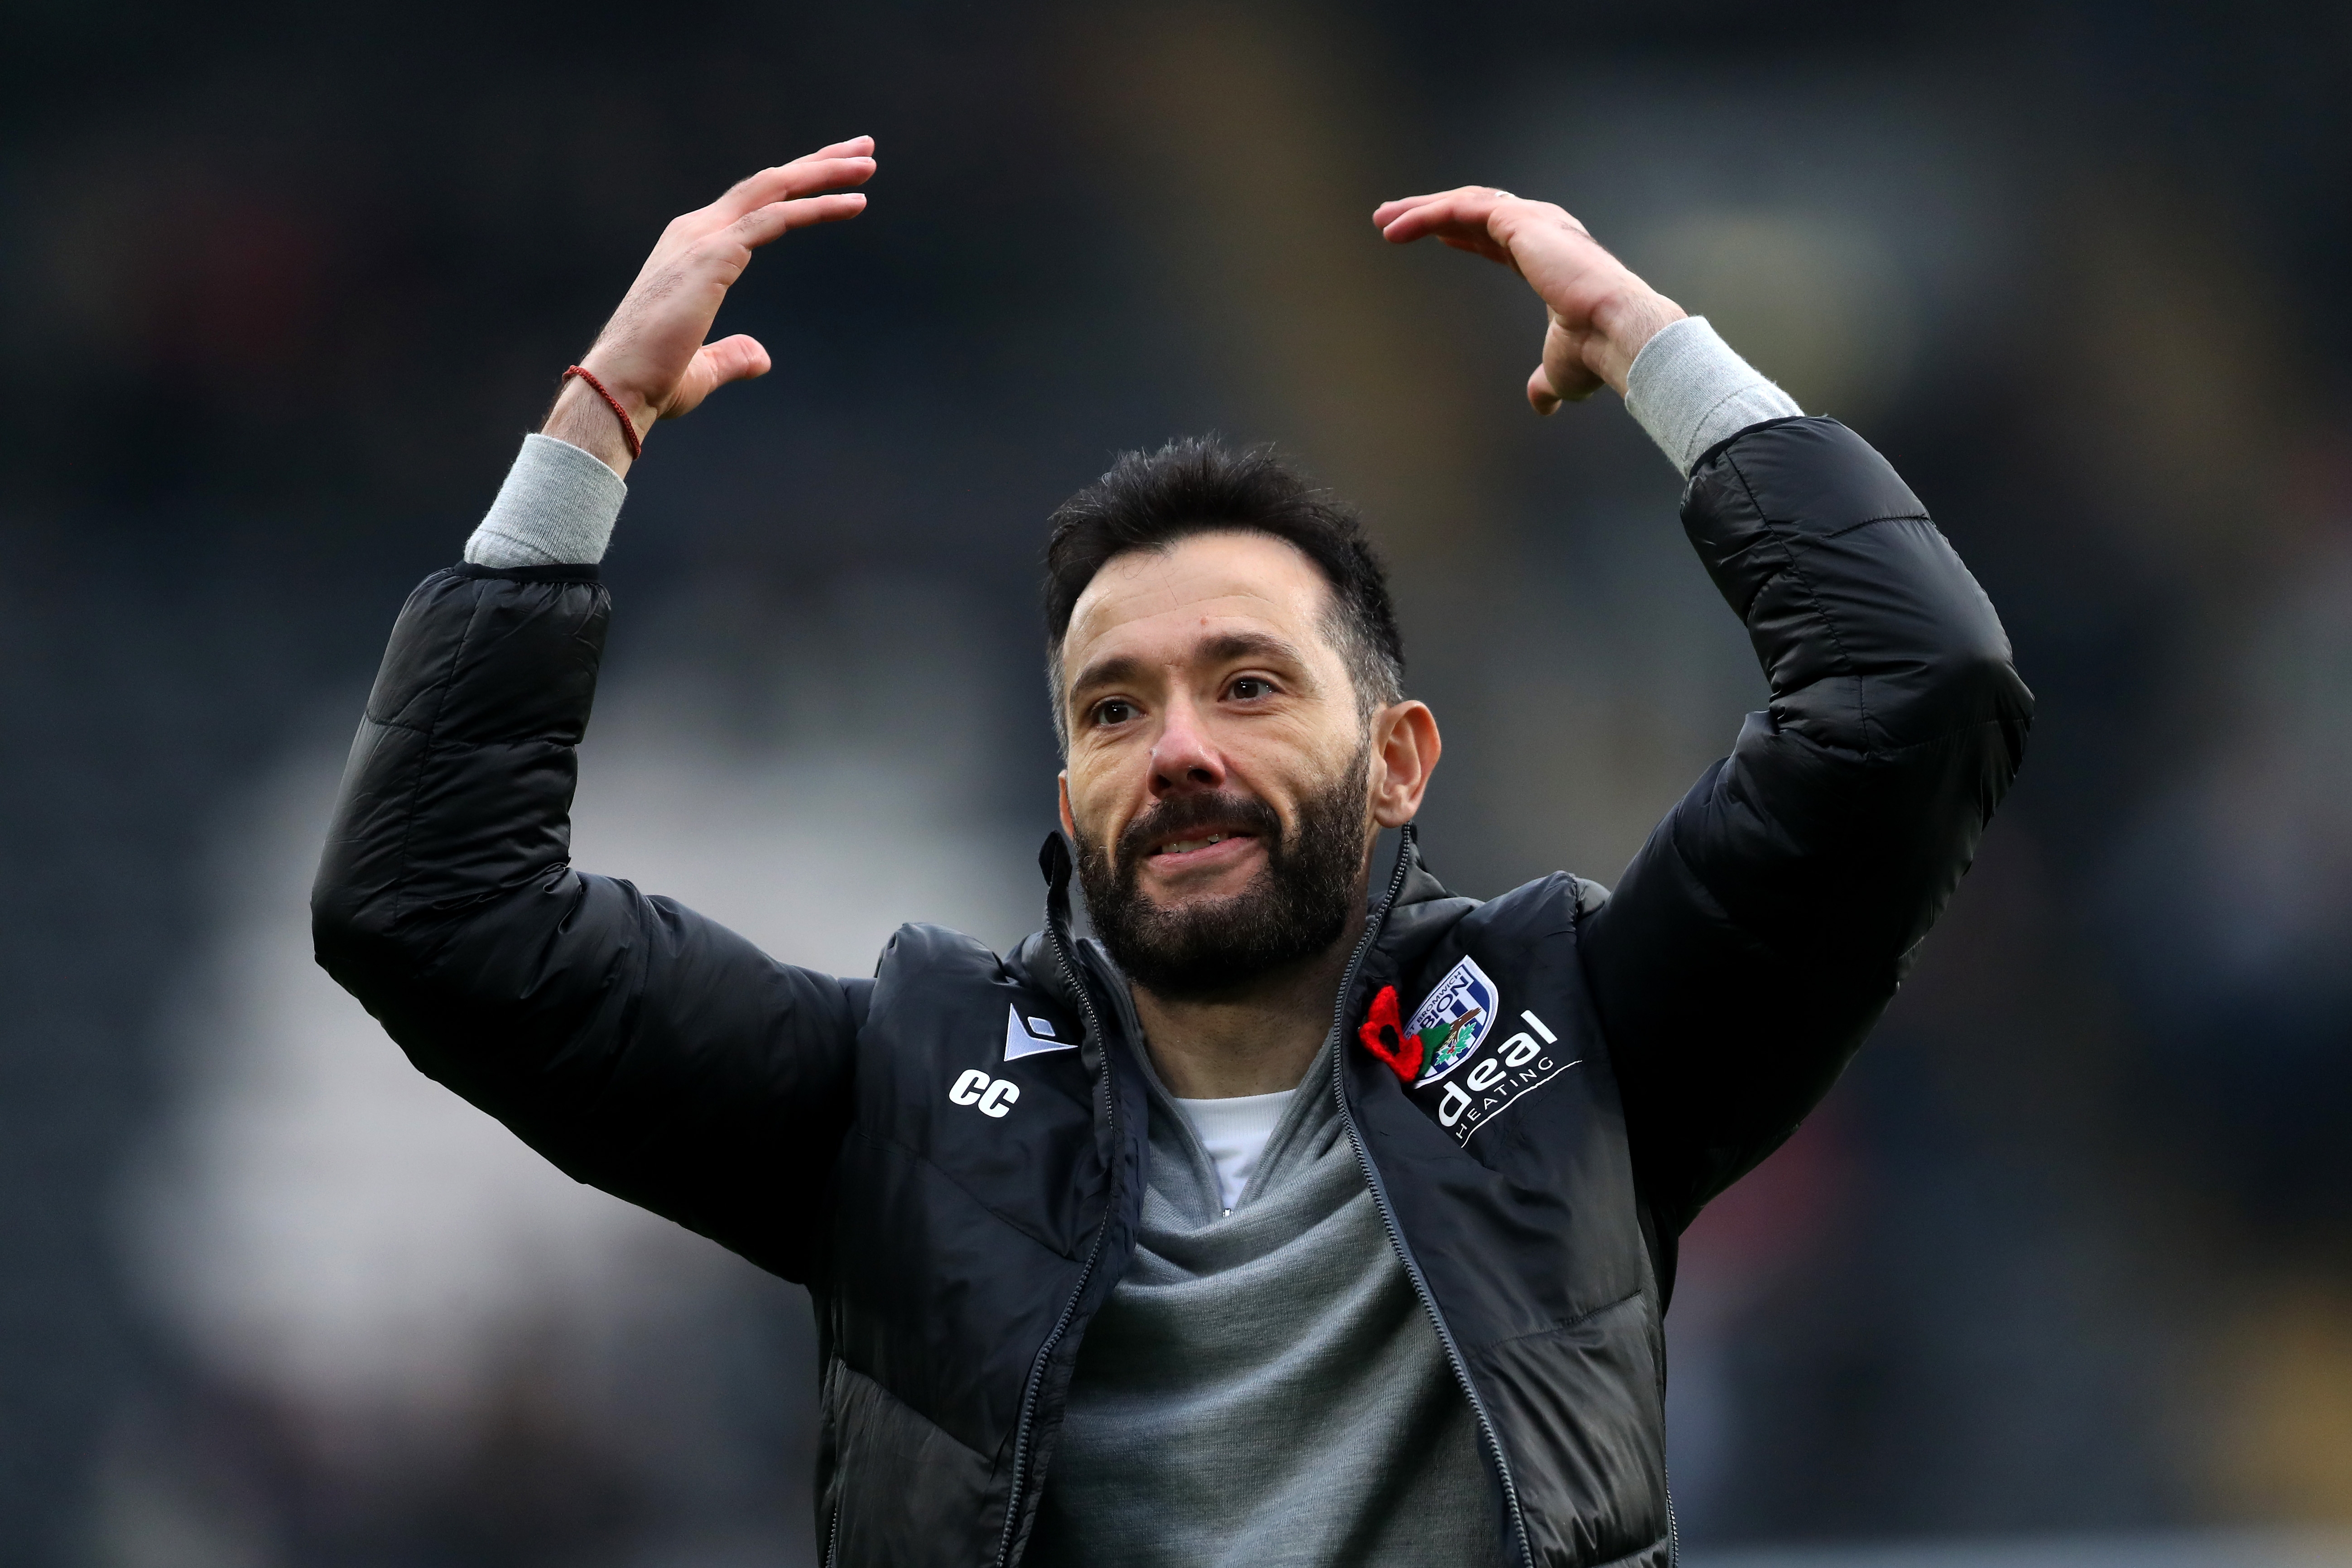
(1308, 1217)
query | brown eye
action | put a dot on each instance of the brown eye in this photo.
(1249, 689)
(1113, 711)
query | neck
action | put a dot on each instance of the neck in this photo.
(1257, 1041)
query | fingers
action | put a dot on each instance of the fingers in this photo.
(1386, 213)
(1462, 213)
(1554, 253)
(849, 163)
(801, 177)
(739, 358)
(755, 229)
(1540, 395)
(855, 147)
(1560, 379)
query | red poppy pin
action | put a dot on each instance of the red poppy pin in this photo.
(1384, 1034)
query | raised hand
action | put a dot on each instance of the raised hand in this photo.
(651, 356)
(1600, 313)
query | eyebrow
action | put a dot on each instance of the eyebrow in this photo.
(1227, 646)
(1223, 648)
(1117, 670)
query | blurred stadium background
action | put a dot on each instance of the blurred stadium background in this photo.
(2060, 1275)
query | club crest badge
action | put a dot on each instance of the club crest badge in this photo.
(1455, 1018)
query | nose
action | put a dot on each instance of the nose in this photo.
(1183, 759)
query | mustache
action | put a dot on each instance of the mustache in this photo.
(1176, 816)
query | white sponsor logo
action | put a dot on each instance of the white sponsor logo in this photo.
(1028, 1037)
(1497, 1076)
(994, 1096)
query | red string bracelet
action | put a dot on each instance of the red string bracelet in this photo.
(628, 425)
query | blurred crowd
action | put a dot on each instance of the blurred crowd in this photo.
(2069, 1250)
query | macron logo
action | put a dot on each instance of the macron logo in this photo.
(1028, 1039)
(994, 1097)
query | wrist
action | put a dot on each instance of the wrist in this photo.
(582, 418)
(617, 381)
(1622, 325)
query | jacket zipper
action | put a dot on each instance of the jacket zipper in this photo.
(1388, 1215)
(1085, 1273)
(833, 1537)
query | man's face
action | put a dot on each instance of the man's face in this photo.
(1219, 766)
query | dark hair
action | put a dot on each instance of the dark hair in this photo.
(1197, 484)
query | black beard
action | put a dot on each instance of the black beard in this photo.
(1295, 910)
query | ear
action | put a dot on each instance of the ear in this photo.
(1405, 748)
(1069, 823)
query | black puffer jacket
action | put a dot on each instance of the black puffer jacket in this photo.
(959, 1196)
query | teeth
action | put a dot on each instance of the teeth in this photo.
(1186, 846)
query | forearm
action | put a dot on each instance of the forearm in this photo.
(1873, 635)
(460, 779)
(580, 416)
(455, 806)
(1755, 939)
(485, 688)
(1750, 947)
(1847, 811)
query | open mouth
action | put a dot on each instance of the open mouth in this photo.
(1198, 844)
(1204, 833)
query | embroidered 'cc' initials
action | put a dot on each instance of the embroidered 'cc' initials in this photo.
(994, 1096)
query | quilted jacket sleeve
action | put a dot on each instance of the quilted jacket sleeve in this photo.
(1758, 934)
(638, 1046)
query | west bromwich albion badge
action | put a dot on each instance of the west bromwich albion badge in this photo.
(1454, 1019)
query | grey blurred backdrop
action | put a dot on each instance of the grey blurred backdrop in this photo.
(281, 286)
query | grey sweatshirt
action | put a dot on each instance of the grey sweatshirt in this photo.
(1263, 1387)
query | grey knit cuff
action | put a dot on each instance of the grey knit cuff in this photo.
(1689, 391)
(556, 508)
